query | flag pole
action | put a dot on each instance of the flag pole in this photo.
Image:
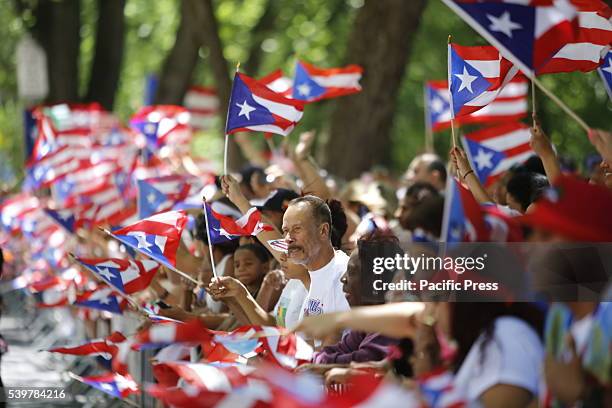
(168, 266)
(560, 103)
(533, 103)
(226, 147)
(452, 120)
(212, 260)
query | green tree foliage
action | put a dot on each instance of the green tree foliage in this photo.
(315, 30)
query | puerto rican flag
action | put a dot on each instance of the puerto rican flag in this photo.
(509, 106)
(279, 245)
(528, 33)
(125, 275)
(253, 106)
(594, 40)
(494, 150)
(476, 77)
(14, 209)
(605, 71)
(222, 377)
(223, 228)
(162, 125)
(462, 220)
(312, 84)
(161, 193)
(102, 298)
(64, 218)
(203, 105)
(438, 389)
(279, 83)
(114, 384)
(157, 237)
(105, 347)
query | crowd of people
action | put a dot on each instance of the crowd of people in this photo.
(500, 354)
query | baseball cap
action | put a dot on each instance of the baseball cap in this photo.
(278, 200)
(574, 209)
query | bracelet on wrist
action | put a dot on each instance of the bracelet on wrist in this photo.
(467, 174)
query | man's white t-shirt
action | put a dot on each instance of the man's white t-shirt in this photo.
(289, 306)
(513, 356)
(326, 294)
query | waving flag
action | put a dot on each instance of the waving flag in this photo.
(527, 33)
(101, 298)
(509, 106)
(224, 228)
(476, 77)
(14, 209)
(438, 389)
(493, 151)
(605, 71)
(253, 106)
(592, 43)
(161, 193)
(279, 83)
(117, 385)
(462, 220)
(162, 125)
(124, 275)
(65, 218)
(158, 236)
(203, 106)
(105, 347)
(311, 84)
(209, 377)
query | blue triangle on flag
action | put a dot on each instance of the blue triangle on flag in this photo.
(107, 273)
(107, 387)
(149, 199)
(243, 110)
(512, 25)
(466, 82)
(437, 105)
(63, 218)
(108, 304)
(484, 159)
(149, 130)
(304, 87)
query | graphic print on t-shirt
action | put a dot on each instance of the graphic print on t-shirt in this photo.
(313, 308)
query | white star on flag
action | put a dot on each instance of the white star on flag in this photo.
(245, 109)
(437, 105)
(466, 80)
(483, 159)
(104, 301)
(503, 24)
(151, 198)
(304, 89)
(141, 238)
(106, 273)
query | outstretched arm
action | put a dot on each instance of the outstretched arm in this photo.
(393, 320)
(468, 176)
(542, 146)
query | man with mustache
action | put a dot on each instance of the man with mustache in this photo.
(307, 228)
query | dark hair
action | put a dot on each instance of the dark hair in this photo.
(438, 165)
(1, 261)
(339, 224)
(427, 214)
(471, 319)
(526, 187)
(227, 247)
(419, 189)
(258, 250)
(532, 165)
(247, 173)
(376, 244)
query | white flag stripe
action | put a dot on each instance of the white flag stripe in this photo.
(511, 161)
(581, 52)
(211, 377)
(163, 333)
(280, 109)
(110, 208)
(483, 99)
(488, 68)
(272, 129)
(503, 108)
(196, 100)
(514, 89)
(509, 140)
(338, 80)
(590, 19)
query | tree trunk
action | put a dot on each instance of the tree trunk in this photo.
(223, 81)
(106, 66)
(57, 29)
(361, 124)
(261, 30)
(177, 71)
